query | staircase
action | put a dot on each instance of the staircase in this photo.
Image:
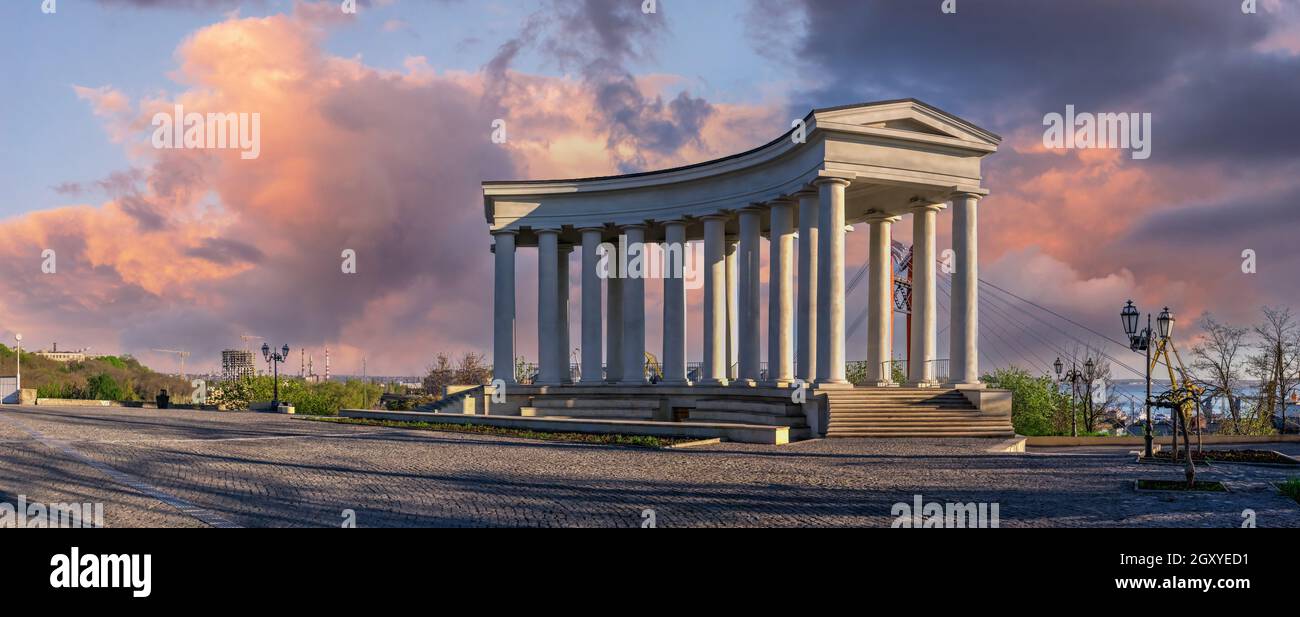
(910, 412)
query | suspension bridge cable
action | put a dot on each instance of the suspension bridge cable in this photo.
(997, 333)
(1066, 333)
(1026, 350)
(1043, 308)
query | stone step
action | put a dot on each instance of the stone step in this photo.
(957, 426)
(594, 403)
(592, 412)
(757, 407)
(833, 434)
(889, 407)
(923, 419)
(747, 418)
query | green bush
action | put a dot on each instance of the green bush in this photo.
(1034, 399)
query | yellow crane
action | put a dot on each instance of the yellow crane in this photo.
(183, 355)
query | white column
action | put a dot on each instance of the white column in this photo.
(614, 323)
(674, 360)
(565, 348)
(714, 369)
(880, 300)
(548, 306)
(806, 355)
(503, 308)
(964, 362)
(780, 287)
(920, 373)
(830, 286)
(750, 313)
(634, 307)
(591, 308)
(733, 309)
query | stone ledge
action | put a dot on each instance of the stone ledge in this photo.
(743, 433)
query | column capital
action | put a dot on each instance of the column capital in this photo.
(922, 206)
(546, 230)
(785, 200)
(717, 216)
(681, 221)
(842, 180)
(882, 217)
(808, 191)
(976, 194)
(626, 226)
(756, 208)
(504, 232)
(587, 228)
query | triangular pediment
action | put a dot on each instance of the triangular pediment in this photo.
(906, 116)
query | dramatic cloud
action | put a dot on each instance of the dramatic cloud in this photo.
(1220, 86)
(195, 247)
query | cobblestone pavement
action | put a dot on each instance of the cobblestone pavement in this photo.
(187, 468)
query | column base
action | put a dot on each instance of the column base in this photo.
(928, 383)
(965, 385)
(779, 383)
(712, 382)
(841, 384)
(745, 383)
(884, 384)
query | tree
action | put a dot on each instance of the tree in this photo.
(1217, 359)
(1278, 343)
(1034, 399)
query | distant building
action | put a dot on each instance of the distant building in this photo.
(236, 364)
(79, 355)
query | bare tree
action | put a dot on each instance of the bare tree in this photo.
(1217, 358)
(1278, 359)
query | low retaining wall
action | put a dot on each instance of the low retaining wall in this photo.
(76, 402)
(1138, 441)
(773, 435)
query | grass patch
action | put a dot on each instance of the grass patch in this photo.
(1291, 488)
(1181, 485)
(1232, 456)
(639, 441)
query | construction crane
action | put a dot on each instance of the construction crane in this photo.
(249, 337)
(183, 355)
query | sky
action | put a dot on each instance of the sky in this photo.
(375, 137)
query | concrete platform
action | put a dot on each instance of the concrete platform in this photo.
(743, 433)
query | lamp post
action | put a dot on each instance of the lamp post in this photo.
(1074, 377)
(1089, 374)
(18, 365)
(1141, 340)
(275, 359)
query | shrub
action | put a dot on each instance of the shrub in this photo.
(1034, 399)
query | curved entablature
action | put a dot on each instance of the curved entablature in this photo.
(893, 153)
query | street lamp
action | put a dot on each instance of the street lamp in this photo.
(1074, 377)
(1166, 323)
(1141, 341)
(18, 365)
(275, 359)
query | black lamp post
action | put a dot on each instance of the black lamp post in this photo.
(1141, 341)
(275, 359)
(1074, 377)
